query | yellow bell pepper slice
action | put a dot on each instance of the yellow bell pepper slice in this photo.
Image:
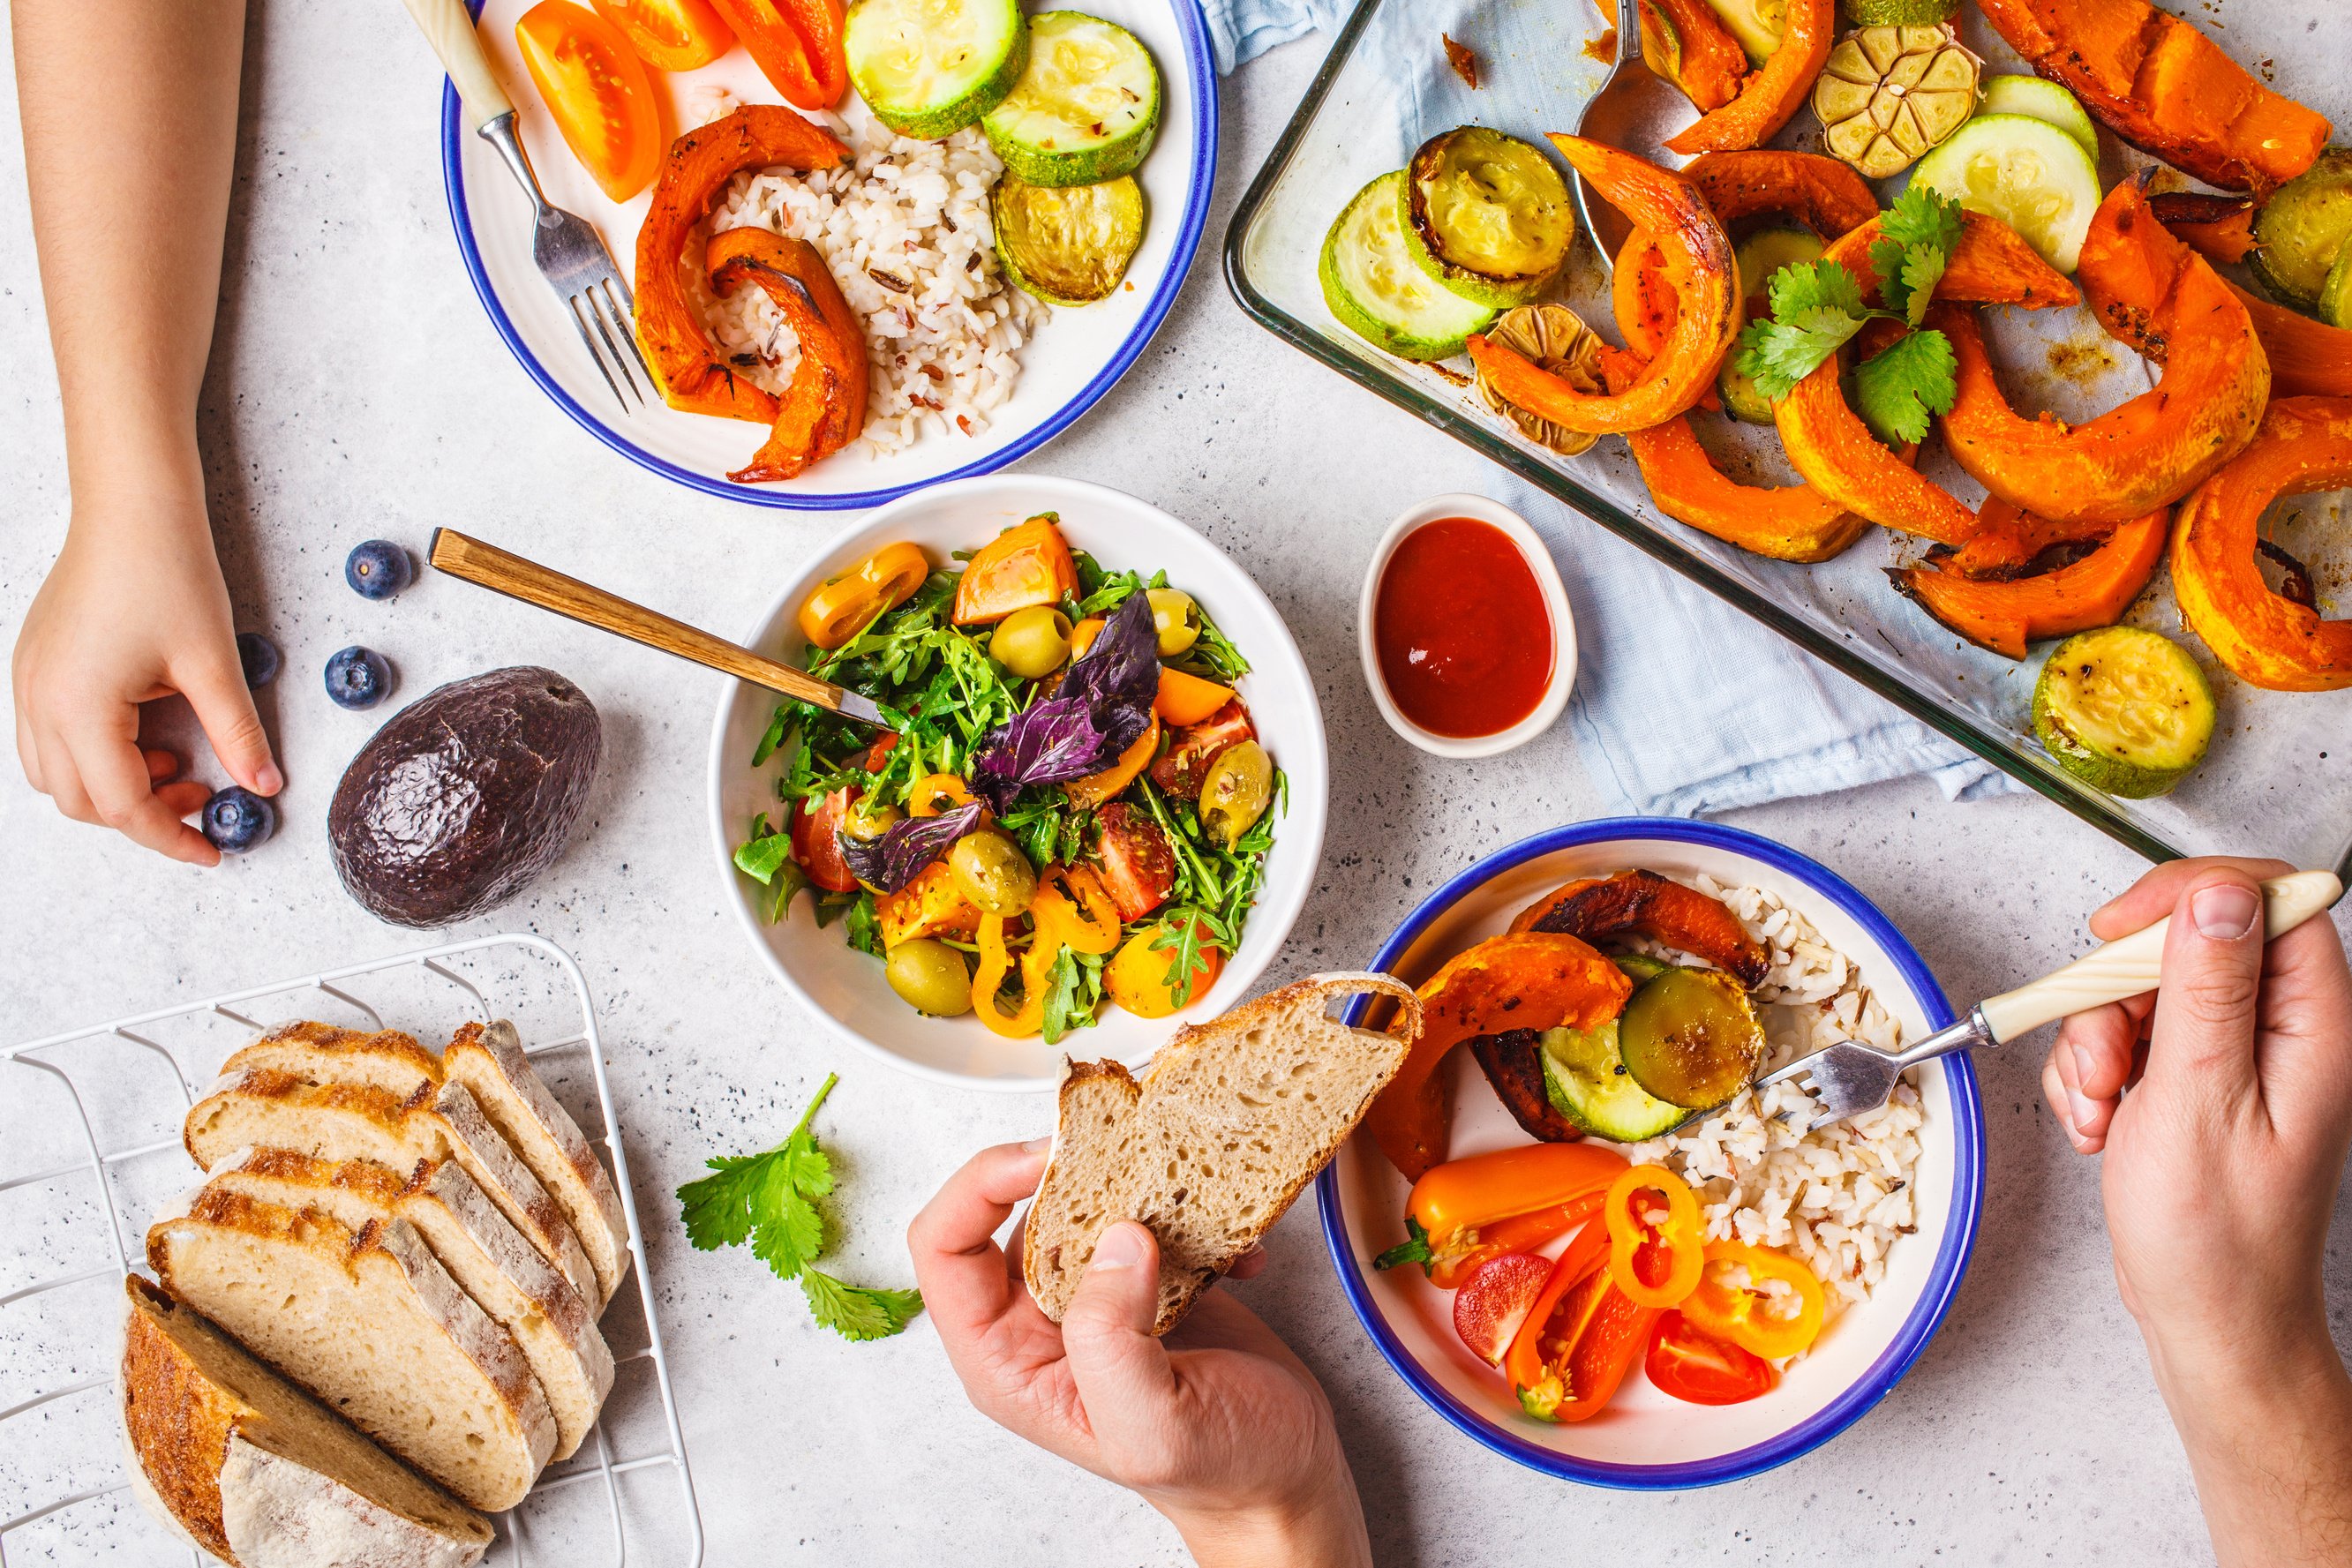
(995, 963)
(1735, 1300)
(1657, 1263)
(936, 794)
(1075, 910)
(844, 605)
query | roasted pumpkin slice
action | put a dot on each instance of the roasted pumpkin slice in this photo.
(1698, 270)
(2218, 228)
(686, 365)
(823, 408)
(2011, 542)
(2165, 88)
(2308, 358)
(2268, 639)
(1521, 980)
(1685, 43)
(2005, 615)
(1771, 94)
(1644, 903)
(1513, 1063)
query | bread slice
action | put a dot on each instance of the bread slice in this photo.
(322, 1053)
(267, 1109)
(522, 1291)
(373, 1326)
(490, 1062)
(258, 1473)
(1230, 1123)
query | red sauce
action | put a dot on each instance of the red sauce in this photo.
(1464, 636)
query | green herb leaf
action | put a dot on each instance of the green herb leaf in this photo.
(1921, 217)
(862, 928)
(1777, 355)
(1073, 994)
(856, 1312)
(1899, 387)
(764, 854)
(1803, 286)
(1413, 1248)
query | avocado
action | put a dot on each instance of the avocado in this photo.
(464, 796)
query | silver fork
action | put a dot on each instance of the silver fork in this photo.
(570, 254)
(1848, 1079)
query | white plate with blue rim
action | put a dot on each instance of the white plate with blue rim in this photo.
(1069, 363)
(1645, 1441)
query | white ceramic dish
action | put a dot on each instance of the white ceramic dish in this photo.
(845, 985)
(1555, 596)
(1645, 1439)
(1069, 363)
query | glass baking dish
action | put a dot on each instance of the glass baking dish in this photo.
(2278, 780)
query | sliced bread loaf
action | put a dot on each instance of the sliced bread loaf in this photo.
(269, 1109)
(322, 1053)
(484, 1253)
(258, 1473)
(371, 1323)
(1230, 1123)
(490, 1062)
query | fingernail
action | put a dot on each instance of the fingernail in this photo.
(1038, 1146)
(1120, 1248)
(2080, 1111)
(2081, 1064)
(269, 780)
(2226, 913)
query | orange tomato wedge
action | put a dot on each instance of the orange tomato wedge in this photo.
(1097, 787)
(1028, 564)
(596, 87)
(1185, 699)
(1136, 979)
(669, 34)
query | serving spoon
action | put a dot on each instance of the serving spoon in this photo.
(1627, 112)
(502, 571)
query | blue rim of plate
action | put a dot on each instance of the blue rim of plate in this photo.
(1201, 68)
(1943, 1281)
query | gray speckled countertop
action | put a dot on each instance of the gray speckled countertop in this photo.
(357, 390)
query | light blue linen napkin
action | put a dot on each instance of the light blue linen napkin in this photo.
(1755, 717)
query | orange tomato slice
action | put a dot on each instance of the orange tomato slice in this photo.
(596, 87)
(669, 34)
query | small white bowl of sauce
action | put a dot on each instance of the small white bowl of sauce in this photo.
(1467, 641)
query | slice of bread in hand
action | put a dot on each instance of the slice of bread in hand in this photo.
(322, 1053)
(269, 1109)
(373, 1326)
(1230, 1123)
(490, 1062)
(258, 1473)
(484, 1253)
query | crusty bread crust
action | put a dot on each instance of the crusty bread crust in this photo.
(1178, 1125)
(178, 1420)
(322, 1053)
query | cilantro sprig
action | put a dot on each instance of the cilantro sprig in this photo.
(771, 1201)
(1817, 307)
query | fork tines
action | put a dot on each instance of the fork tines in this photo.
(607, 304)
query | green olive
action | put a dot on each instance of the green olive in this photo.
(1175, 618)
(1235, 795)
(1032, 643)
(930, 977)
(868, 819)
(990, 869)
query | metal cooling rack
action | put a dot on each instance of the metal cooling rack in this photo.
(89, 1147)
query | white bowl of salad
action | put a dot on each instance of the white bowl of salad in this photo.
(1099, 812)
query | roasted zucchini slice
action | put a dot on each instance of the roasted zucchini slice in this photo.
(1379, 294)
(2300, 230)
(1586, 1081)
(1691, 1037)
(1085, 109)
(1067, 244)
(2124, 709)
(930, 68)
(1486, 214)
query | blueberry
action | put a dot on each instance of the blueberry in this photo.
(237, 820)
(358, 678)
(258, 654)
(378, 569)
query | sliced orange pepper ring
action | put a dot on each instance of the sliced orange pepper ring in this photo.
(995, 963)
(1656, 1258)
(847, 602)
(936, 794)
(1058, 918)
(1762, 1300)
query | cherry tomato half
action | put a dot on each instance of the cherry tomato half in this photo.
(1691, 1365)
(816, 840)
(596, 89)
(669, 34)
(1494, 1301)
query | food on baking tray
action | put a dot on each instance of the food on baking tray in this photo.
(1888, 94)
(930, 68)
(1465, 641)
(770, 1201)
(1758, 259)
(1556, 339)
(797, 45)
(1774, 91)
(1228, 1126)
(1086, 105)
(2029, 174)
(669, 34)
(250, 1466)
(2165, 88)
(1685, 43)
(2081, 582)
(594, 88)
(2299, 232)
(1378, 292)
(1713, 1252)
(1900, 13)
(1073, 773)
(400, 1231)
(464, 796)
(2124, 709)
(1485, 215)
(1067, 244)
(2039, 99)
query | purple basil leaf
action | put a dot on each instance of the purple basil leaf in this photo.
(1102, 707)
(905, 848)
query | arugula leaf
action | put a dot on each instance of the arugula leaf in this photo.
(769, 1200)
(1073, 994)
(1413, 1248)
(863, 928)
(1899, 387)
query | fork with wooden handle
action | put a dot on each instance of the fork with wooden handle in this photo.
(502, 571)
(1847, 1078)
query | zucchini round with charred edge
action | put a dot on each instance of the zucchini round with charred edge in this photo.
(1379, 293)
(1757, 258)
(2124, 709)
(2336, 296)
(1757, 23)
(1486, 214)
(1087, 107)
(930, 68)
(1586, 1081)
(2300, 230)
(1067, 244)
(1690, 1037)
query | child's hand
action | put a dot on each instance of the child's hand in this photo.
(133, 610)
